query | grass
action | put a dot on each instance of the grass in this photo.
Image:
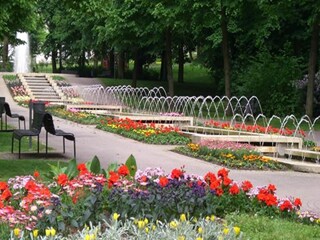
(5, 143)
(266, 228)
(18, 167)
(21, 167)
(197, 81)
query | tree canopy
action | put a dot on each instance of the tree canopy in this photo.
(239, 42)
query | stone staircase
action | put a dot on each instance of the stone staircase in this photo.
(41, 87)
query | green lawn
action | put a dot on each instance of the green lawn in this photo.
(266, 228)
(15, 167)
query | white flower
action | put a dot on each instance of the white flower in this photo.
(33, 208)
(48, 211)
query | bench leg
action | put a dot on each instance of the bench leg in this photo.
(12, 144)
(64, 145)
(19, 148)
(74, 149)
(46, 143)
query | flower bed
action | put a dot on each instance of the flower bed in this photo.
(17, 90)
(74, 115)
(230, 154)
(85, 194)
(253, 128)
(148, 133)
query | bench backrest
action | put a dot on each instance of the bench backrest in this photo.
(48, 123)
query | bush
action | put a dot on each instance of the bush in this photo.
(272, 80)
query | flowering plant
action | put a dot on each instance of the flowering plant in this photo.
(74, 115)
(229, 154)
(149, 133)
(253, 128)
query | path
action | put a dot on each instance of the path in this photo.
(110, 148)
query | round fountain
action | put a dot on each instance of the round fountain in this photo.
(22, 59)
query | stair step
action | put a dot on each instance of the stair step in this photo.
(302, 153)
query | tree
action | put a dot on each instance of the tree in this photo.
(15, 16)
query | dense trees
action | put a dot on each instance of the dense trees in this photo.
(250, 47)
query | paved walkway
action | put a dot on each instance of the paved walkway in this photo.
(111, 148)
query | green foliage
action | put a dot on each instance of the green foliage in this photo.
(58, 78)
(132, 165)
(268, 228)
(237, 159)
(9, 77)
(271, 78)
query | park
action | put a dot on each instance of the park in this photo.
(210, 131)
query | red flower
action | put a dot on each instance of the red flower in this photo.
(123, 170)
(219, 191)
(215, 184)
(143, 179)
(5, 195)
(246, 186)
(82, 168)
(1, 204)
(223, 173)
(272, 188)
(286, 205)
(31, 186)
(114, 177)
(163, 181)
(227, 181)
(36, 174)
(297, 202)
(210, 177)
(62, 179)
(3, 186)
(176, 173)
(234, 190)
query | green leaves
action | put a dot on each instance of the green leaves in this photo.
(132, 165)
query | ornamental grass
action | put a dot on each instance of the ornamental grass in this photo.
(148, 133)
(230, 154)
(132, 202)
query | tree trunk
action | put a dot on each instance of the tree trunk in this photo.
(181, 64)
(169, 62)
(112, 63)
(60, 60)
(121, 64)
(163, 69)
(137, 69)
(312, 67)
(54, 61)
(5, 53)
(225, 53)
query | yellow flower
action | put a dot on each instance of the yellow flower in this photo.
(181, 237)
(141, 224)
(199, 238)
(212, 218)
(53, 232)
(115, 216)
(16, 232)
(173, 224)
(50, 232)
(35, 232)
(147, 230)
(154, 227)
(146, 221)
(183, 218)
(226, 231)
(236, 231)
(87, 237)
(200, 230)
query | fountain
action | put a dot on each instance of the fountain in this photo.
(22, 59)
